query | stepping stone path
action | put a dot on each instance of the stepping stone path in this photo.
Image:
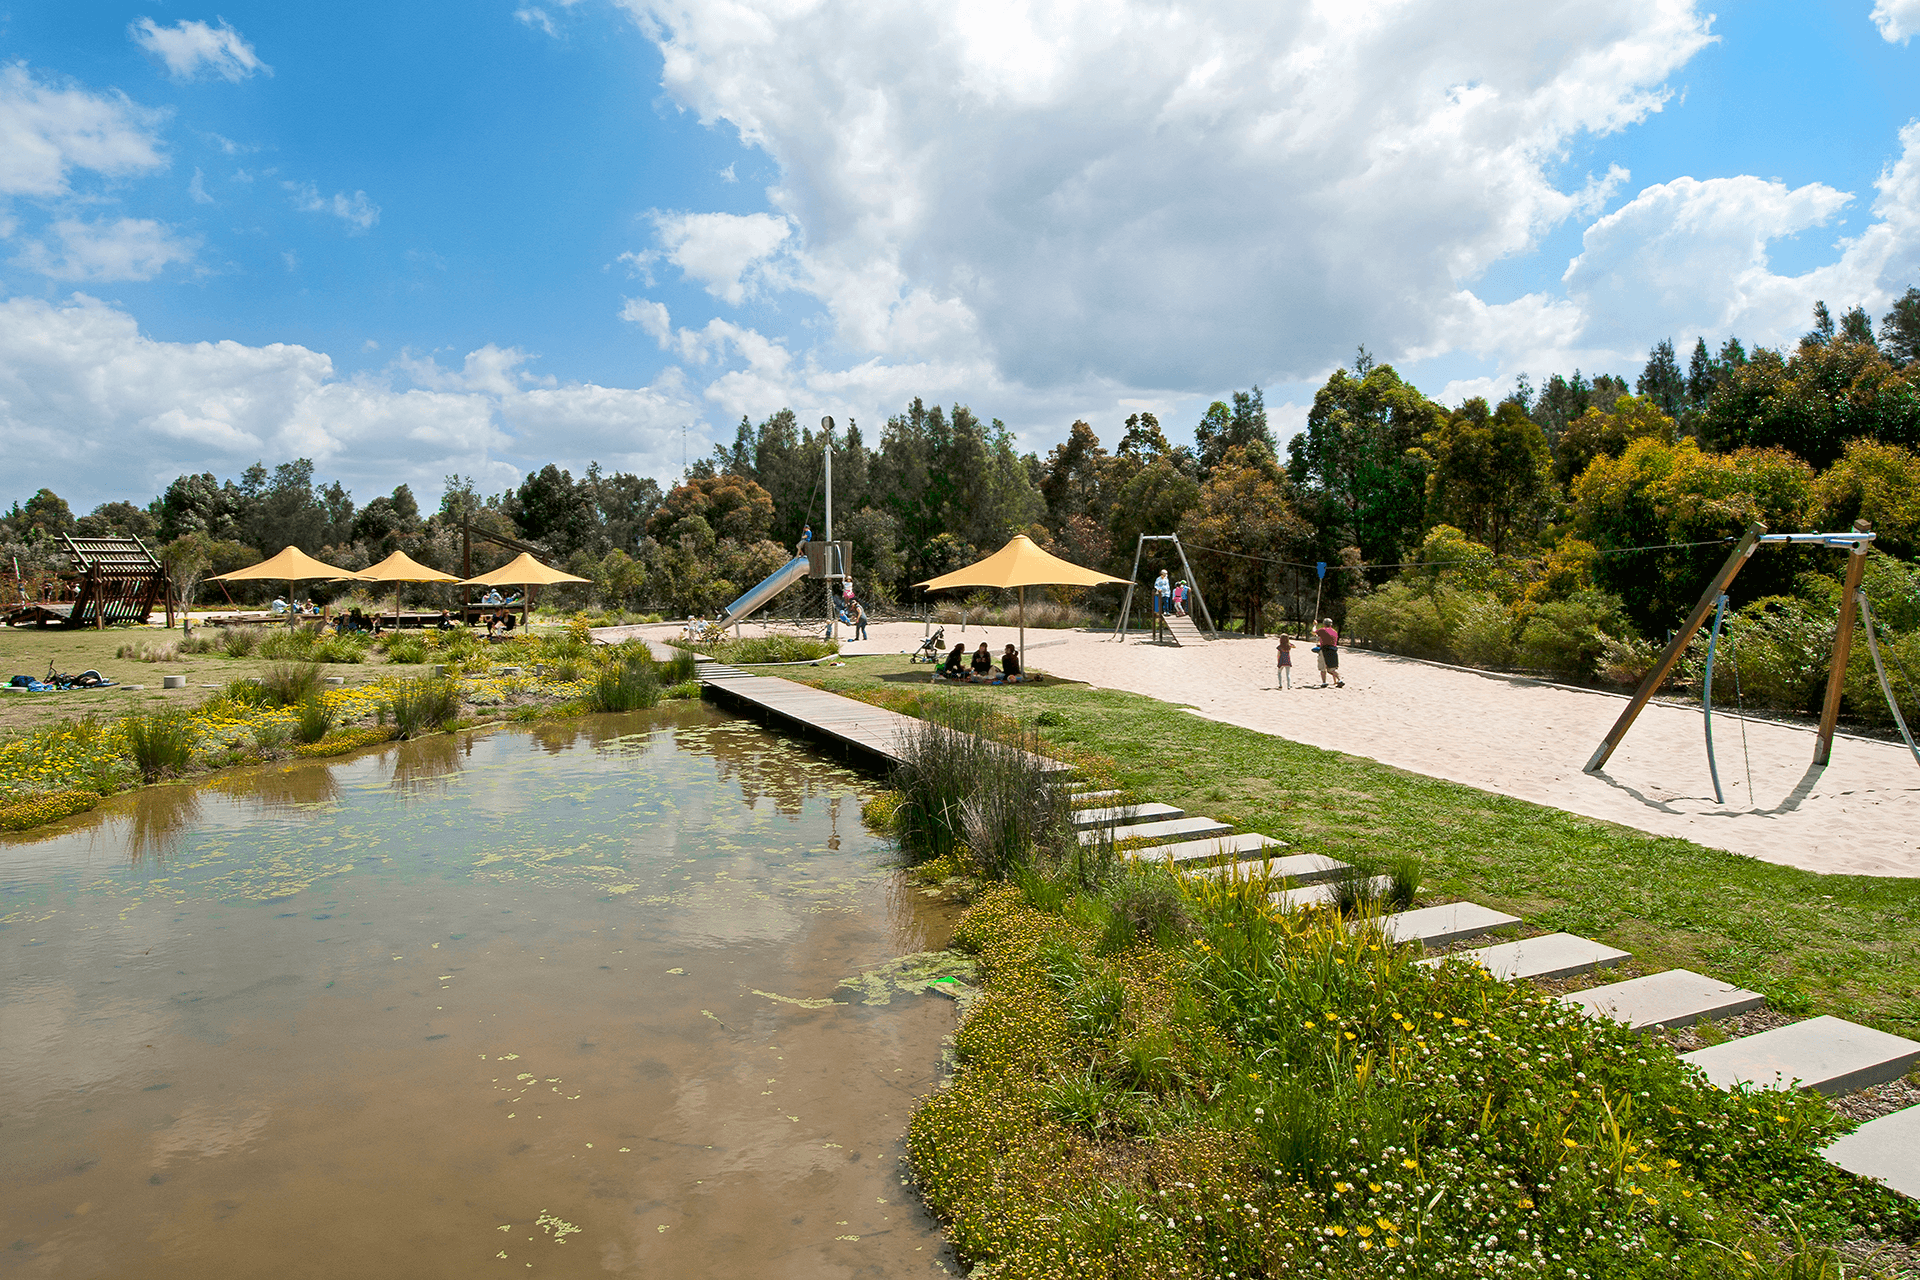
(1086, 819)
(1676, 998)
(1436, 926)
(1827, 1054)
(1553, 955)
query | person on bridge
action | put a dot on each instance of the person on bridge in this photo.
(1162, 593)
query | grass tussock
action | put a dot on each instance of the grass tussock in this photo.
(628, 683)
(160, 743)
(971, 777)
(424, 704)
(750, 650)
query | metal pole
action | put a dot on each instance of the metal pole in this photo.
(1842, 648)
(1886, 687)
(1126, 604)
(826, 450)
(1670, 656)
(1706, 697)
(1193, 580)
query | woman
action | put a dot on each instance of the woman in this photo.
(955, 667)
(1329, 653)
(982, 662)
(1010, 664)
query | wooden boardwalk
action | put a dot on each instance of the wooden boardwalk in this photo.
(861, 729)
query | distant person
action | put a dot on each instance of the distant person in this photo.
(982, 662)
(955, 667)
(1329, 653)
(1180, 598)
(859, 621)
(1010, 664)
(279, 605)
(1162, 593)
(1283, 654)
(493, 596)
(806, 536)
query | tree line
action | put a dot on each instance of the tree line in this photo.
(1552, 483)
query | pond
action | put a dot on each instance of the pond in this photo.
(605, 997)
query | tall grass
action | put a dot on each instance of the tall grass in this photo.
(288, 684)
(240, 642)
(160, 742)
(627, 684)
(425, 704)
(141, 651)
(313, 719)
(969, 778)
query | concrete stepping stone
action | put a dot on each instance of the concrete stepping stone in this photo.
(1169, 830)
(1126, 814)
(1830, 1055)
(1085, 799)
(1676, 998)
(1887, 1149)
(1296, 869)
(1434, 926)
(1310, 897)
(1555, 955)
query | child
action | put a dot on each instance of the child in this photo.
(1283, 679)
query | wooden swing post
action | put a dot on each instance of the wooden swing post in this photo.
(1842, 647)
(1670, 656)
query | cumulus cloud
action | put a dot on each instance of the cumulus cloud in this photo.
(1898, 20)
(727, 252)
(188, 48)
(1156, 194)
(47, 132)
(79, 383)
(358, 212)
(124, 249)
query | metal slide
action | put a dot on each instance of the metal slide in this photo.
(776, 582)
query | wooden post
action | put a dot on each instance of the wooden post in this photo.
(1842, 649)
(1669, 657)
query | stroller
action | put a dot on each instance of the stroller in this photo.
(933, 648)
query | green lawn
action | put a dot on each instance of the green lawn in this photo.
(1845, 945)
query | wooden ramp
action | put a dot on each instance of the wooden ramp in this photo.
(871, 732)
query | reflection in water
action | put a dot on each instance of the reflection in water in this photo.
(503, 989)
(424, 764)
(158, 819)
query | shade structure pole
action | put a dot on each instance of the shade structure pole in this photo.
(1670, 657)
(826, 453)
(1023, 629)
(1842, 648)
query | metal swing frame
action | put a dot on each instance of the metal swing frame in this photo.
(1120, 627)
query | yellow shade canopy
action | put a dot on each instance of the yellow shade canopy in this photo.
(291, 565)
(401, 567)
(522, 571)
(1021, 563)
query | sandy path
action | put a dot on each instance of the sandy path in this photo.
(1519, 737)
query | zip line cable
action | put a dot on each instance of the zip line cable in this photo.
(1442, 564)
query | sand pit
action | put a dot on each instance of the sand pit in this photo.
(1524, 738)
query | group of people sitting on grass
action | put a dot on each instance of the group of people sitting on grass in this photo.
(980, 669)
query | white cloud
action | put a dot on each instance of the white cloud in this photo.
(358, 212)
(726, 252)
(1155, 194)
(189, 47)
(46, 133)
(535, 16)
(80, 384)
(125, 249)
(197, 188)
(1898, 20)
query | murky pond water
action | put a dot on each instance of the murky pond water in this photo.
(561, 1001)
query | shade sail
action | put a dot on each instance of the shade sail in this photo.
(401, 567)
(291, 565)
(522, 571)
(1021, 563)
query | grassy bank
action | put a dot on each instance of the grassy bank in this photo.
(1845, 945)
(1167, 1079)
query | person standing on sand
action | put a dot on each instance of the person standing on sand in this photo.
(1283, 679)
(1329, 653)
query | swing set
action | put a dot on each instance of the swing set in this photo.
(1714, 600)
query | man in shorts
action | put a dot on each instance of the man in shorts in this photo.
(1329, 653)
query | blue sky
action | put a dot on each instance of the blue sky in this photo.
(407, 240)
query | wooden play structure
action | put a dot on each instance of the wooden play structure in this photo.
(116, 580)
(1853, 606)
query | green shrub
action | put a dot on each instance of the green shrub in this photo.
(627, 685)
(313, 719)
(679, 668)
(1399, 619)
(346, 647)
(406, 650)
(288, 684)
(35, 811)
(1484, 635)
(1146, 905)
(1571, 637)
(425, 704)
(159, 742)
(686, 689)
